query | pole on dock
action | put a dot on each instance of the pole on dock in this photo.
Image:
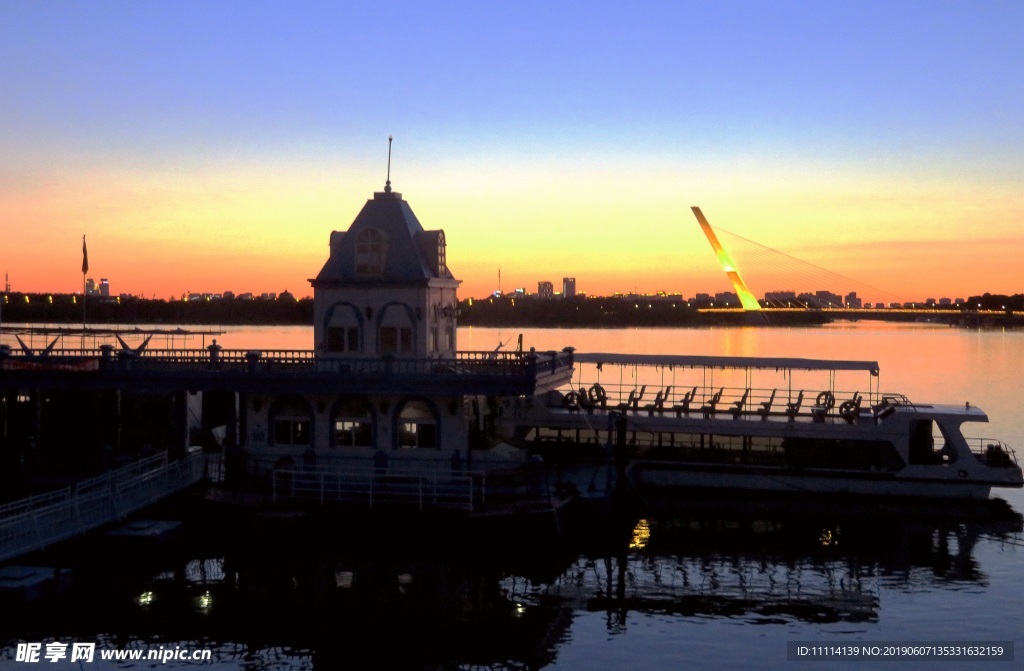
(85, 291)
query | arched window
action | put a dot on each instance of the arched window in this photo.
(371, 248)
(291, 421)
(417, 426)
(343, 325)
(353, 424)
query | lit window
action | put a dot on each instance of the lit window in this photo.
(417, 435)
(354, 432)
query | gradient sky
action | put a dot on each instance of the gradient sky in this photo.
(212, 146)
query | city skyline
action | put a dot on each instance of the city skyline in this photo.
(219, 145)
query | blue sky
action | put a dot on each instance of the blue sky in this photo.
(928, 93)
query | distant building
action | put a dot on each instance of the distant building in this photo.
(104, 287)
(945, 302)
(229, 295)
(286, 296)
(568, 287)
(545, 289)
(780, 299)
(827, 299)
(90, 287)
(728, 299)
(852, 301)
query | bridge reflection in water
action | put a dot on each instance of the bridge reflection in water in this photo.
(300, 591)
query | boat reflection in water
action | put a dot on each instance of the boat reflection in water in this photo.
(312, 597)
(706, 559)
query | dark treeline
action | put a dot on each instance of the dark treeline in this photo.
(66, 309)
(503, 311)
(603, 312)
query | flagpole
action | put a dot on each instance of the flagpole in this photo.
(85, 270)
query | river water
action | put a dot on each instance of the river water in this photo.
(718, 584)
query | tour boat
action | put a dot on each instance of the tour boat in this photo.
(700, 423)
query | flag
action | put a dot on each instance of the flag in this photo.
(85, 257)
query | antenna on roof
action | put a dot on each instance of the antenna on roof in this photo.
(387, 184)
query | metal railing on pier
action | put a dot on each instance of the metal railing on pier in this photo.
(37, 522)
(298, 361)
(373, 487)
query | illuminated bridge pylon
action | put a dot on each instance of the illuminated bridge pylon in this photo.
(746, 297)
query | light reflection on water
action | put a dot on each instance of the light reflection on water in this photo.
(685, 588)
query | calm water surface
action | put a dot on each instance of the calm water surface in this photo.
(718, 584)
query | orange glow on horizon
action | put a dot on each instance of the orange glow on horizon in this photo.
(163, 232)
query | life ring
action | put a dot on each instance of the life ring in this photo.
(597, 394)
(826, 399)
(572, 400)
(848, 410)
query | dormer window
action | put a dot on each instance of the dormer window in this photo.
(371, 246)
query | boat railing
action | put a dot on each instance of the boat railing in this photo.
(682, 399)
(992, 452)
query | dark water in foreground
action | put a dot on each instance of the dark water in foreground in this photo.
(724, 584)
(693, 585)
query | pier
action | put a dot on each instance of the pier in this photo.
(37, 522)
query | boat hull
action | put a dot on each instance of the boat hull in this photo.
(694, 477)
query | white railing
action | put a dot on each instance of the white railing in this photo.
(458, 490)
(37, 522)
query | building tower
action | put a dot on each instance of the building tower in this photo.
(386, 288)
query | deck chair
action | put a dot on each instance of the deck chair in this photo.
(793, 407)
(683, 407)
(766, 406)
(658, 406)
(737, 406)
(711, 407)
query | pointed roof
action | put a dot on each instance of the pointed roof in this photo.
(409, 252)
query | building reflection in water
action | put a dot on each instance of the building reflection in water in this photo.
(327, 599)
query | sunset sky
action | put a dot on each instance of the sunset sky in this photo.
(211, 146)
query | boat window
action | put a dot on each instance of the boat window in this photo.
(943, 444)
(923, 443)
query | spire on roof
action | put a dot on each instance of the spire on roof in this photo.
(387, 184)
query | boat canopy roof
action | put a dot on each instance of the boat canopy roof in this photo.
(746, 362)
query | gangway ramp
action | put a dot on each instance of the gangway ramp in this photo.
(33, 523)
